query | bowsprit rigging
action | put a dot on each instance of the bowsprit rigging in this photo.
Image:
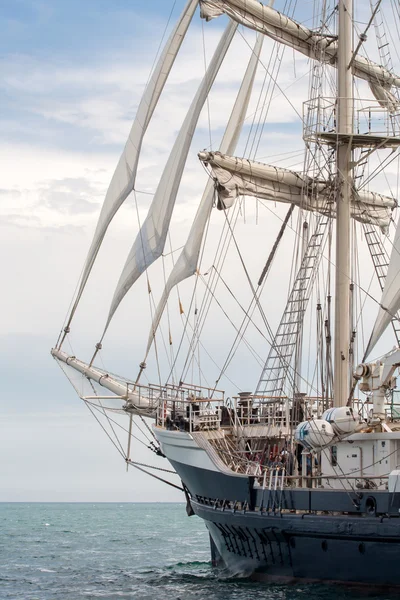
(291, 302)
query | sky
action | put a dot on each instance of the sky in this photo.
(72, 74)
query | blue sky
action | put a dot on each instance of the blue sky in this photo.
(67, 30)
(72, 74)
(53, 38)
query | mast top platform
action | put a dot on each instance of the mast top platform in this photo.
(359, 140)
(374, 126)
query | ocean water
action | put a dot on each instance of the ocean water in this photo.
(113, 551)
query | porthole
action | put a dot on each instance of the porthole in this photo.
(324, 546)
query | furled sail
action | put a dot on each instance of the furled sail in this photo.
(281, 28)
(390, 302)
(238, 176)
(150, 240)
(123, 180)
(187, 262)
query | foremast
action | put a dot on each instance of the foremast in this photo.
(343, 191)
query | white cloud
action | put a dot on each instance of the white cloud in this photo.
(102, 99)
(71, 195)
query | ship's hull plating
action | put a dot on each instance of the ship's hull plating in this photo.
(311, 548)
(274, 536)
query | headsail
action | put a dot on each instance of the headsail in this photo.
(313, 44)
(150, 240)
(187, 262)
(239, 176)
(123, 180)
(390, 302)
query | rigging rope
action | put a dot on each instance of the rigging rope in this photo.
(132, 462)
(136, 466)
(106, 415)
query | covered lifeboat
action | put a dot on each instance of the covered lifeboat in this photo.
(335, 423)
(314, 434)
(343, 419)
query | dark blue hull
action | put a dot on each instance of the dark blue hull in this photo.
(310, 547)
(304, 534)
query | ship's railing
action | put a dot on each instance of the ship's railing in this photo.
(280, 412)
(363, 407)
(393, 410)
(148, 395)
(252, 410)
(194, 408)
(279, 478)
(190, 408)
(283, 475)
(370, 117)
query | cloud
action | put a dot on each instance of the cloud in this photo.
(10, 193)
(101, 99)
(20, 220)
(71, 195)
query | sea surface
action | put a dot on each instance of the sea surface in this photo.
(113, 551)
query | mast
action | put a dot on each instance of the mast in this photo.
(302, 304)
(344, 157)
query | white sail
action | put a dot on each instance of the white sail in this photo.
(150, 240)
(123, 180)
(238, 176)
(281, 28)
(186, 264)
(390, 301)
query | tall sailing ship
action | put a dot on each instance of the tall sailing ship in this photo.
(300, 478)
